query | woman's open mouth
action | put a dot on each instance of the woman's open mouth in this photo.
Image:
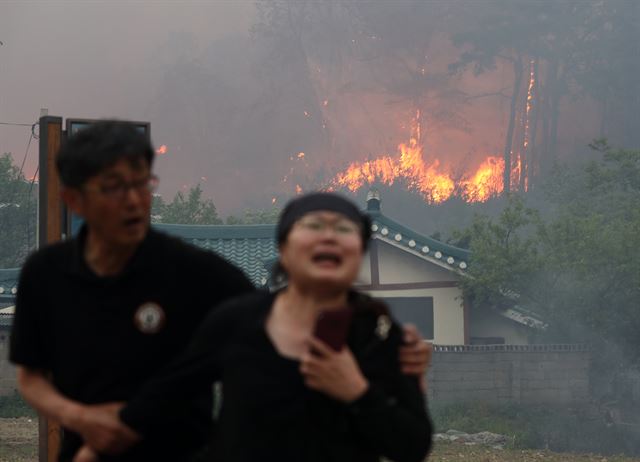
(327, 258)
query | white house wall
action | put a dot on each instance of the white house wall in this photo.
(448, 311)
(397, 266)
(391, 271)
(364, 276)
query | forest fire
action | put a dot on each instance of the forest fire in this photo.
(486, 182)
(433, 181)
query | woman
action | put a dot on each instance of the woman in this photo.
(287, 395)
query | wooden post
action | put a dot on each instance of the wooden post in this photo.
(49, 231)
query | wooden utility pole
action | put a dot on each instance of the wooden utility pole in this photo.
(49, 230)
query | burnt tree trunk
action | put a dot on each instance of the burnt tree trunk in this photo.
(544, 115)
(508, 142)
(534, 112)
(555, 94)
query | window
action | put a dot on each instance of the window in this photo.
(414, 310)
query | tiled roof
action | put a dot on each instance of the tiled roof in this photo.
(249, 247)
(439, 253)
(8, 284)
(6, 320)
(6, 316)
(253, 249)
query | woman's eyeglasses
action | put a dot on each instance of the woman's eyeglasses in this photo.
(340, 227)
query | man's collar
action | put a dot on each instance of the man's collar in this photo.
(138, 261)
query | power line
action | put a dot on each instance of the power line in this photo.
(26, 154)
(33, 180)
(14, 124)
(16, 188)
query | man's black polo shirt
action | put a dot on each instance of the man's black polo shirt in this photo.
(102, 337)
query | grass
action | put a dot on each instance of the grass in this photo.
(533, 432)
(455, 452)
(18, 443)
(18, 430)
(18, 439)
(14, 406)
(540, 427)
(18, 452)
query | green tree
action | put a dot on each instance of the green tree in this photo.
(504, 255)
(255, 217)
(609, 61)
(579, 267)
(594, 243)
(573, 49)
(17, 214)
(191, 209)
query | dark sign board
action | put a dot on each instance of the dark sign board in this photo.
(74, 125)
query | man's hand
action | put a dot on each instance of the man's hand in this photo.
(333, 373)
(102, 430)
(99, 425)
(86, 454)
(415, 354)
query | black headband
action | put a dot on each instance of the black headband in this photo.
(313, 202)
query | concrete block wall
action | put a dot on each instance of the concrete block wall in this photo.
(526, 374)
(7, 370)
(497, 374)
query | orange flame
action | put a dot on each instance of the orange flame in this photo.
(162, 149)
(434, 183)
(486, 182)
(532, 82)
(527, 130)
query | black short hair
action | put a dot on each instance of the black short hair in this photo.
(314, 201)
(97, 147)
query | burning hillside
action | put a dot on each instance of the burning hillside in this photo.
(434, 180)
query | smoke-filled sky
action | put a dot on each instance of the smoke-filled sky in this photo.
(206, 84)
(100, 59)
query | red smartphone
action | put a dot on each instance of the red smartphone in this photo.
(332, 327)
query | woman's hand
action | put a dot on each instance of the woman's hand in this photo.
(333, 373)
(415, 354)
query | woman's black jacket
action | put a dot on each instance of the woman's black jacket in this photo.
(269, 414)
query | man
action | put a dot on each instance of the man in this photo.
(98, 315)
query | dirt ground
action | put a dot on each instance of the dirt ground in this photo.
(456, 452)
(19, 440)
(19, 443)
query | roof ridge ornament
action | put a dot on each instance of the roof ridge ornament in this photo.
(373, 200)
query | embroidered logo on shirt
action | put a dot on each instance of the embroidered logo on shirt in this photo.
(383, 327)
(149, 318)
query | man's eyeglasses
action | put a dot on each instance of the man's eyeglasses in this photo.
(118, 190)
(340, 227)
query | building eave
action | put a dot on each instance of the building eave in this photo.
(426, 248)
